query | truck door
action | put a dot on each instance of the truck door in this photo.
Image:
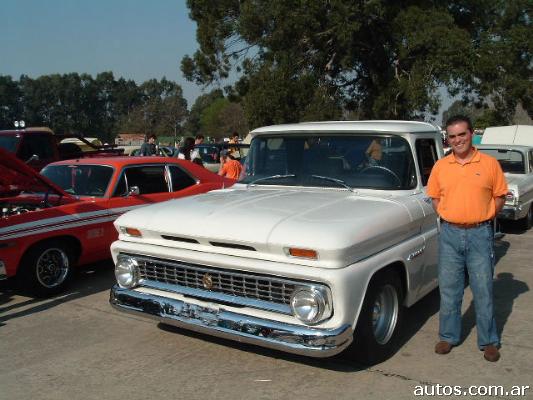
(427, 155)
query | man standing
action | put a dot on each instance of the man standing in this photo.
(468, 189)
(149, 148)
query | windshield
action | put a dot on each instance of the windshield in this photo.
(355, 161)
(511, 161)
(80, 180)
(9, 142)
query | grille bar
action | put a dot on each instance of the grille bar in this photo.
(228, 282)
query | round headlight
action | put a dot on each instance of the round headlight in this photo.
(308, 305)
(126, 272)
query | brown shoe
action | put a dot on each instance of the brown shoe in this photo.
(491, 353)
(443, 347)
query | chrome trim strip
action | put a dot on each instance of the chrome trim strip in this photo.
(296, 339)
(218, 297)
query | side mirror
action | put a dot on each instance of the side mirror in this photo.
(35, 157)
(134, 191)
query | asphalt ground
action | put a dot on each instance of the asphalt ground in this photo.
(75, 346)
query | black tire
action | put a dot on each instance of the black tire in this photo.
(46, 269)
(377, 333)
(526, 222)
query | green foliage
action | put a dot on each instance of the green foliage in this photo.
(305, 59)
(100, 107)
(216, 116)
(193, 124)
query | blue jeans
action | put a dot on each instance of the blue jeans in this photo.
(471, 248)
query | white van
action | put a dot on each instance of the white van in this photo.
(513, 134)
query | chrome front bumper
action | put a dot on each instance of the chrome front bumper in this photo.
(290, 338)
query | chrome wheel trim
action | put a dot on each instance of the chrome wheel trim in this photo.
(52, 267)
(385, 314)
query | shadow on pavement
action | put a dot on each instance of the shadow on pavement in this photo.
(87, 280)
(511, 227)
(506, 290)
(500, 249)
(415, 318)
(336, 363)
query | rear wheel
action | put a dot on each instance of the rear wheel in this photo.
(46, 269)
(378, 327)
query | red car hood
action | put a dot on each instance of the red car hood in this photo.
(15, 177)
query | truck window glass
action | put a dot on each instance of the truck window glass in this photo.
(36, 144)
(426, 151)
(511, 161)
(359, 161)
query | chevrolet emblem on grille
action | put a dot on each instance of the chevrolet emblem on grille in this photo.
(207, 281)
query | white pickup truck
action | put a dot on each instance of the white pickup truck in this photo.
(318, 249)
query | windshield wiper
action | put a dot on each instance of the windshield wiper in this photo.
(271, 177)
(339, 181)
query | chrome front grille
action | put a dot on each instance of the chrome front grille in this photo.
(228, 282)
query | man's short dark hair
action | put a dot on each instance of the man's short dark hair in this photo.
(152, 136)
(235, 133)
(198, 137)
(460, 118)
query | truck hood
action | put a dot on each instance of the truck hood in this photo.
(17, 177)
(269, 221)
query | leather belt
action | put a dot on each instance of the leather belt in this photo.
(468, 226)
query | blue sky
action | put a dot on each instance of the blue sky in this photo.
(135, 39)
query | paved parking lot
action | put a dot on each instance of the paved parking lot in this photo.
(77, 347)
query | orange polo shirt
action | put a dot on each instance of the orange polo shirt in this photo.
(231, 169)
(466, 192)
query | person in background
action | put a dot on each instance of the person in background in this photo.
(185, 151)
(229, 167)
(149, 148)
(195, 154)
(234, 138)
(468, 190)
(374, 152)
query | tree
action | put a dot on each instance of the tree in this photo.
(161, 109)
(193, 124)
(100, 107)
(10, 102)
(377, 59)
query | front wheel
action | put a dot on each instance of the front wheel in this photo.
(377, 331)
(46, 269)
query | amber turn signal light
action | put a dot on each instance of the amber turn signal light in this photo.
(132, 232)
(303, 253)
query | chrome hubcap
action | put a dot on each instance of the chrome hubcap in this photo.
(52, 267)
(385, 314)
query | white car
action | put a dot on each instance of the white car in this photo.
(316, 250)
(517, 164)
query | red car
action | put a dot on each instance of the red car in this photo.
(64, 216)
